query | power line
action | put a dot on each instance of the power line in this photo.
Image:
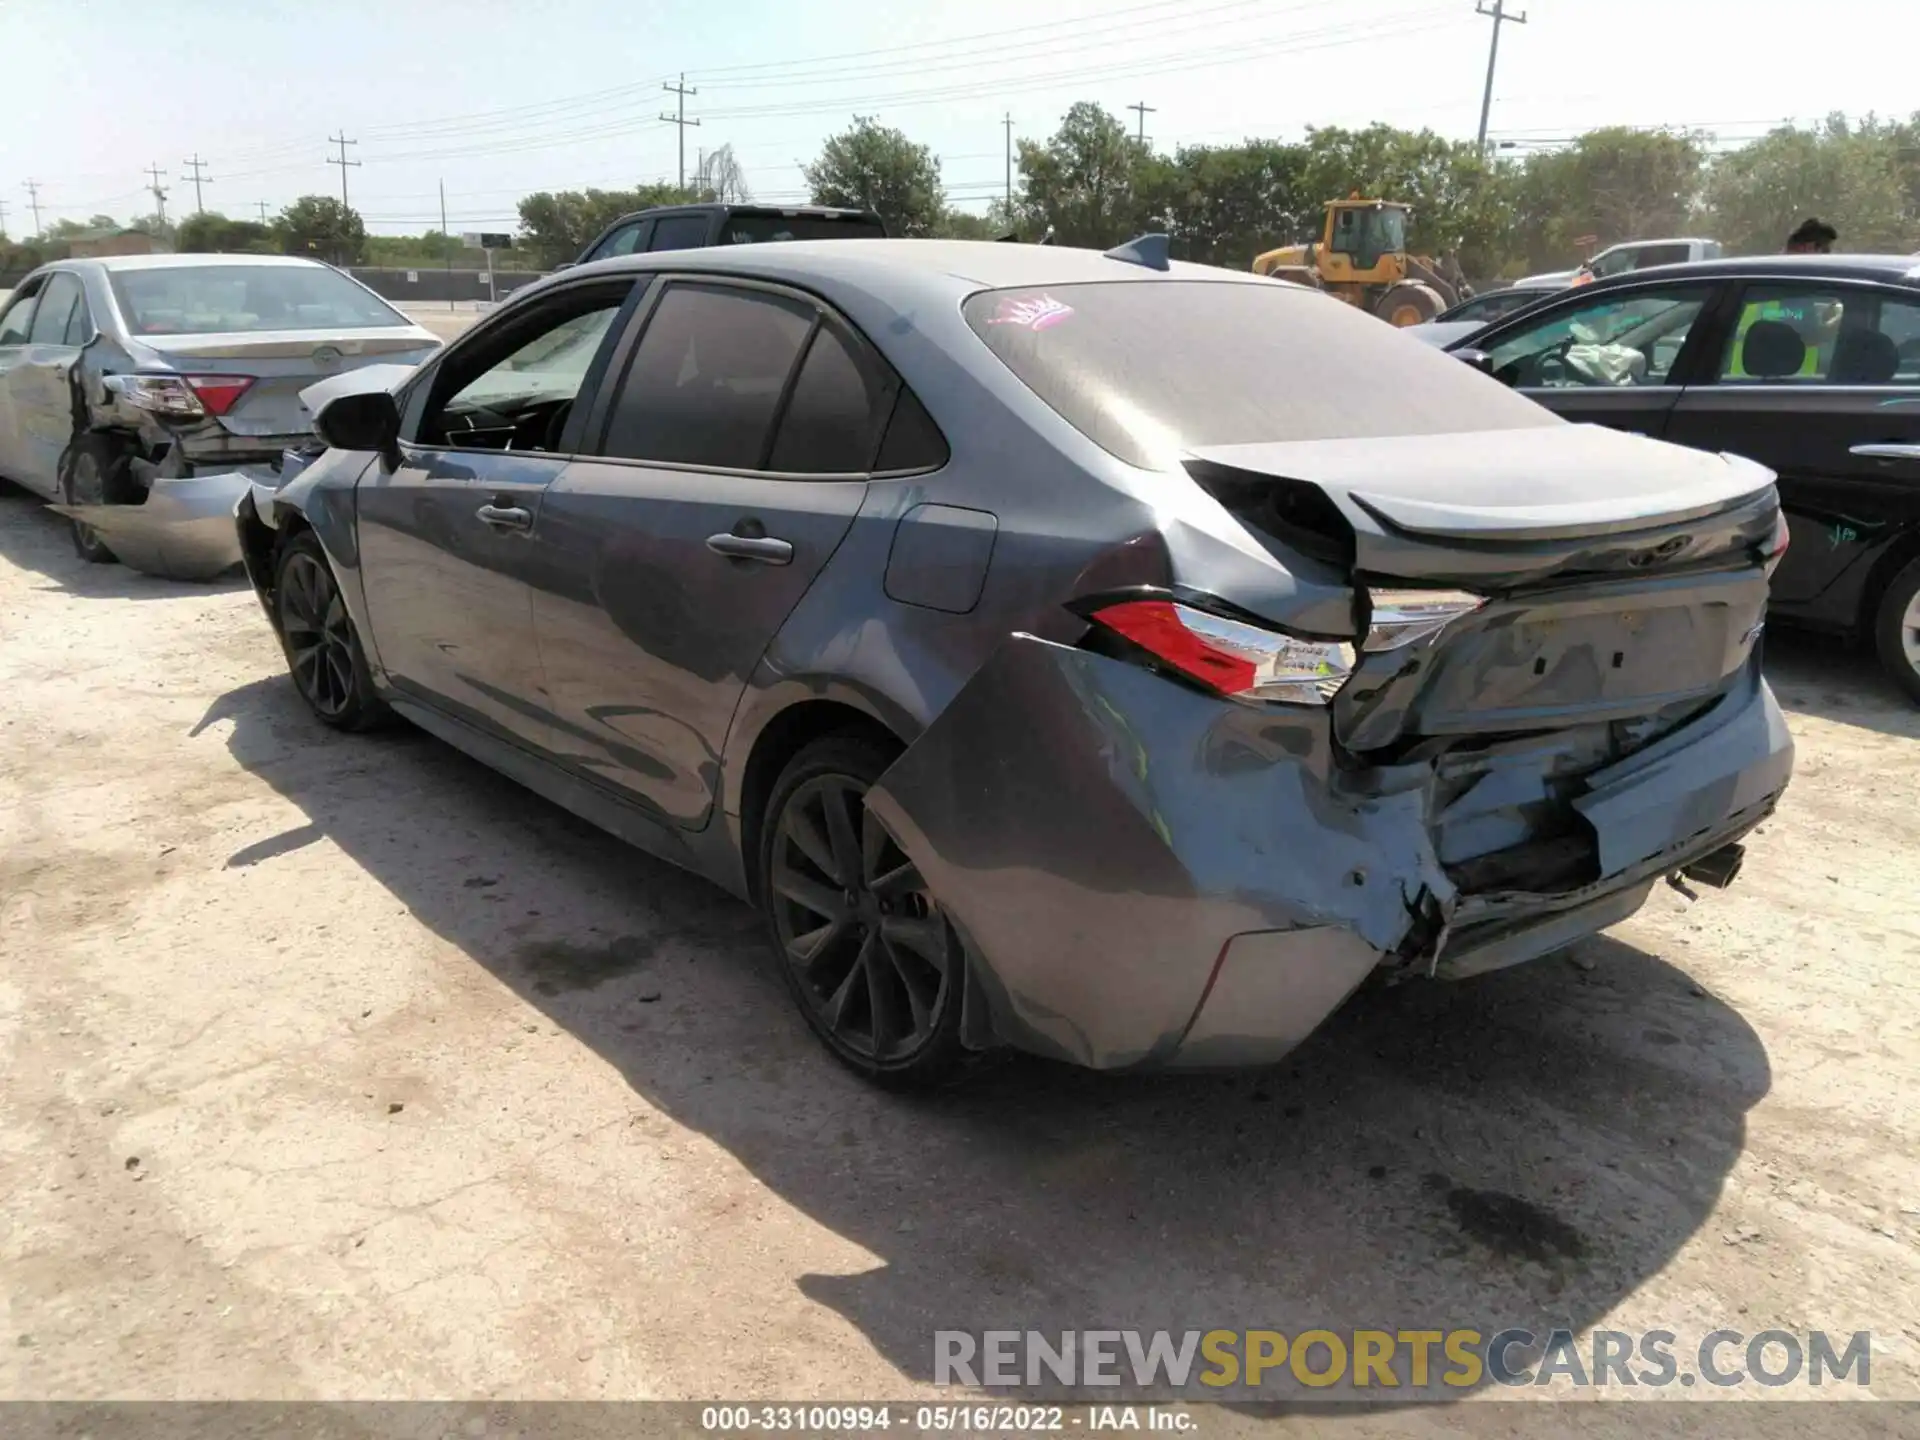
(197, 165)
(344, 163)
(1500, 17)
(155, 174)
(1142, 109)
(680, 89)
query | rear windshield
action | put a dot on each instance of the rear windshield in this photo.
(1149, 368)
(758, 229)
(227, 299)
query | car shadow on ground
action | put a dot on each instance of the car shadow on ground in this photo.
(1525, 1149)
(37, 540)
(1818, 675)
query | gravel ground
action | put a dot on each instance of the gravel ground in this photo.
(339, 1066)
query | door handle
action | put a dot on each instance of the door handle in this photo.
(1888, 451)
(751, 547)
(505, 517)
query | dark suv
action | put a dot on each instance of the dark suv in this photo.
(690, 227)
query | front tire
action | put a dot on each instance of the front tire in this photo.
(96, 473)
(323, 651)
(862, 945)
(1409, 303)
(1896, 630)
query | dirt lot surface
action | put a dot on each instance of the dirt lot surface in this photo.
(338, 1066)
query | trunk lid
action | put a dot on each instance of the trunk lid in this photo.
(283, 363)
(1622, 578)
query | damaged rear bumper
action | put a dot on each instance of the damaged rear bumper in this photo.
(1145, 875)
(184, 528)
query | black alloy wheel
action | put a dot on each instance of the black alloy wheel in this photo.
(323, 653)
(863, 943)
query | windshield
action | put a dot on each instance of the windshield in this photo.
(1367, 233)
(758, 229)
(235, 299)
(1149, 369)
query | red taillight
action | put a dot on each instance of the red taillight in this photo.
(1155, 625)
(1241, 661)
(218, 393)
(1777, 547)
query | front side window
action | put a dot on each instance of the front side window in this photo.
(1800, 335)
(624, 241)
(1610, 341)
(708, 377)
(1149, 369)
(236, 299)
(17, 322)
(517, 394)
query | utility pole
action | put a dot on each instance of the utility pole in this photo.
(197, 165)
(1142, 109)
(1008, 123)
(263, 210)
(156, 175)
(446, 245)
(681, 120)
(1498, 14)
(344, 163)
(32, 187)
(3, 217)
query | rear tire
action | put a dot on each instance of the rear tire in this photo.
(96, 472)
(1409, 303)
(863, 947)
(1896, 630)
(323, 651)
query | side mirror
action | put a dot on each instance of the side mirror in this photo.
(1478, 359)
(364, 421)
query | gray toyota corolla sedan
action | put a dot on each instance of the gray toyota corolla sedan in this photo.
(1115, 660)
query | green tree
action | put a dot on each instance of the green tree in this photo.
(875, 167)
(210, 234)
(1611, 184)
(964, 225)
(555, 226)
(1863, 180)
(1225, 204)
(1092, 183)
(322, 228)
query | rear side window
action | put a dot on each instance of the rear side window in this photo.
(759, 229)
(56, 310)
(679, 232)
(1652, 255)
(708, 377)
(913, 441)
(1149, 368)
(832, 419)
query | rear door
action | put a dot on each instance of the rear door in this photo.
(1609, 358)
(1820, 382)
(16, 328)
(42, 394)
(681, 232)
(448, 539)
(733, 456)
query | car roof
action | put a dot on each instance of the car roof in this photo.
(975, 264)
(744, 207)
(174, 262)
(1669, 240)
(1895, 269)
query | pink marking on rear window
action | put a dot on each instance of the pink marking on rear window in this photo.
(1038, 314)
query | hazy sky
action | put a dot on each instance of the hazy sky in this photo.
(499, 97)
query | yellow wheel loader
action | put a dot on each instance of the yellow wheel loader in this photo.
(1361, 256)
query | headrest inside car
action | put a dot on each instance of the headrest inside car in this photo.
(1773, 349)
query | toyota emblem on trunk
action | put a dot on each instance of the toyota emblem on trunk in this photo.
(326, 357)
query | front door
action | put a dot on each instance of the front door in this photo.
(1821, 384)
(16, 329)
(448, 537)
(734, 458)
(1609, 359)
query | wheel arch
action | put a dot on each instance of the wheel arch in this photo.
(784, 733)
